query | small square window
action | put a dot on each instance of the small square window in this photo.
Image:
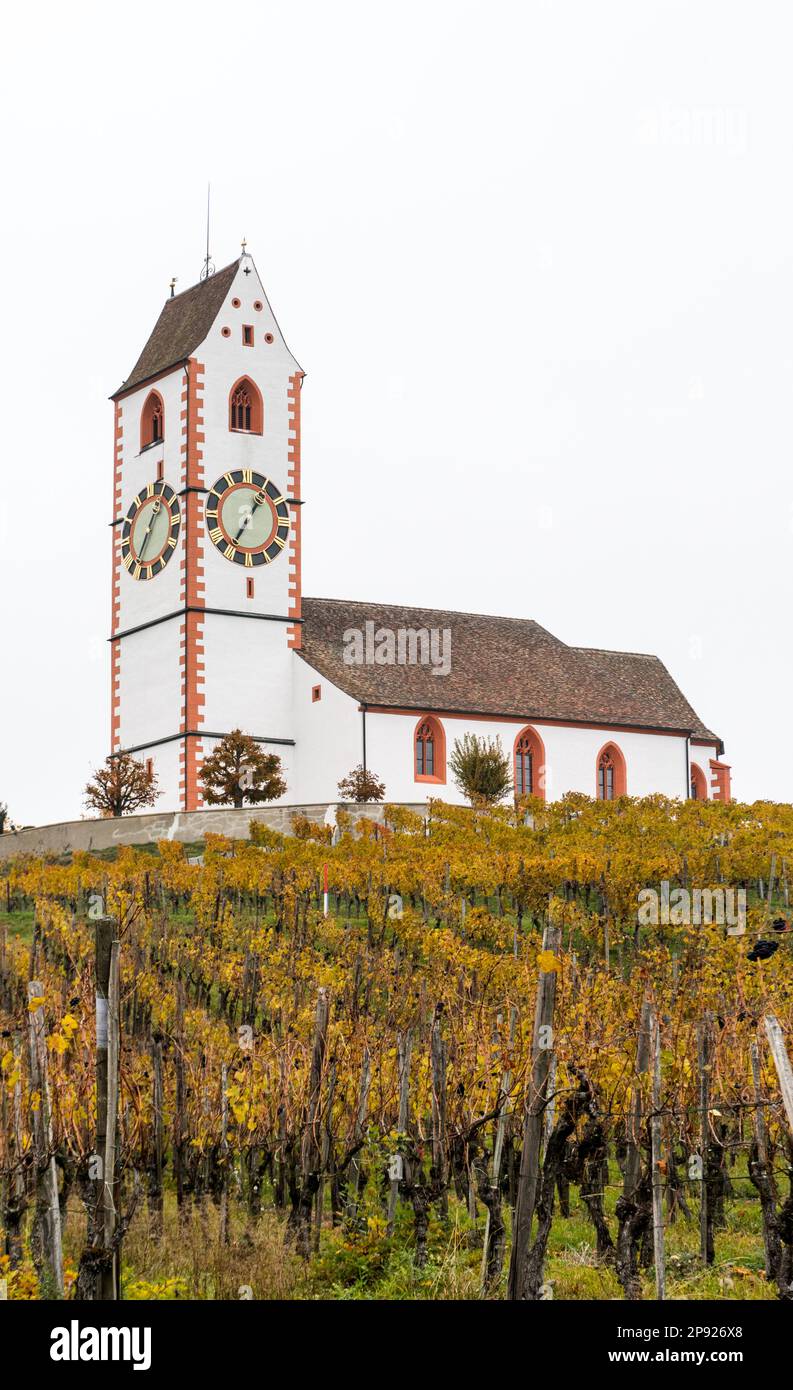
(249, 587)
(316, 693)
(149, 767)
(247, 335)
(160, 467)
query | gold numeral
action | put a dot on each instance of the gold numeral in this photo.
(215, 535)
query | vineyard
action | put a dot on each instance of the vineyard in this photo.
(430, 1059)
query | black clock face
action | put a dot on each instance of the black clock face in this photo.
(247, 518)
(150, 531)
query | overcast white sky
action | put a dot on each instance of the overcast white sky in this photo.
(537, 262)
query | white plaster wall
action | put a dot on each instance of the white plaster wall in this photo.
(151, 701)
(655, 762)
(328, 732)
(247, 677)
(165, 759)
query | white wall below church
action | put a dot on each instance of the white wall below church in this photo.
(165, 763)
(329, 735)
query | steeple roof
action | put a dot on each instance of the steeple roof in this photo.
(184, 323)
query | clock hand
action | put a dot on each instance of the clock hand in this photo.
(257, 503)
(155, 510)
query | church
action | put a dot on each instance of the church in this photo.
(211, 630)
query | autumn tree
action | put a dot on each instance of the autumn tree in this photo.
(361, 785)
(238, 771)
(481, 770)
(122, 785)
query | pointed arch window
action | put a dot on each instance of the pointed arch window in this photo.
(529, 759)
(246, 413)
(429, 750)
(699, 787)
(152, 420)
(611, 775)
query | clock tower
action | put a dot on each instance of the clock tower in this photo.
(206, 596)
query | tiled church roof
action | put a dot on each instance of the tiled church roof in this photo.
(499, 666)
(184, 322)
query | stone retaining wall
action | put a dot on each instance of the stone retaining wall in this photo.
(187, 826)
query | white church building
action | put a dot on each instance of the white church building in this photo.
(211, 630)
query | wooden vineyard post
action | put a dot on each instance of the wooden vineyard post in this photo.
(48, 1212)
(542, 1049)
(761, 1141)
(438, 1061)
(488, 1256)
(776, 1224)
(784, 1071)
(311, 1158)
(404, 1047)
(633, 1204)
(325, 1153)
(634, 1155)
(658, 1177)
(224, 1156)
(3, 966)
(12, 1212)
(354, 1178)
(107, 1062)
(112, 1183)
(155, 1185)
(704, 1048)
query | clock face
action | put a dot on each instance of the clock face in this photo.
(247, 517)
(150, 531)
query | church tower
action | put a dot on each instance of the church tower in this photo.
(206, 597)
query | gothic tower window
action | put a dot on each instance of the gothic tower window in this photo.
(529, 770)
(245, 407)
(611, 777)
(152, 420)
(429, 750)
